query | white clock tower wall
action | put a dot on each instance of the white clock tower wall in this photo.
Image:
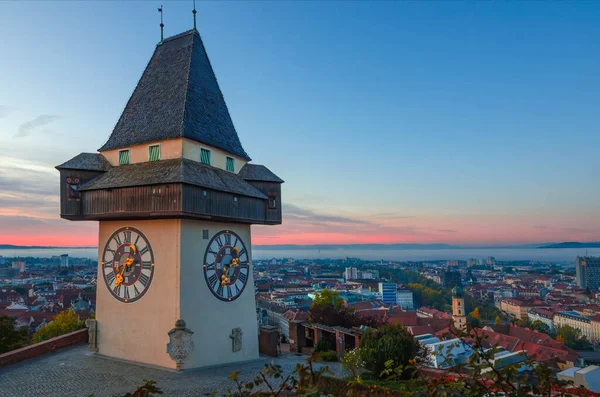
(212, 320)
(137, 331)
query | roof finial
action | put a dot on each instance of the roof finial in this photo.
(194, 12)
(162, 25)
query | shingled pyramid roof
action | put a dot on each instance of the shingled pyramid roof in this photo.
(177, 97)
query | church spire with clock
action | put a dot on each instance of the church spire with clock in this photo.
(175, 194)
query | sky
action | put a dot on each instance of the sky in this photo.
(391, 122)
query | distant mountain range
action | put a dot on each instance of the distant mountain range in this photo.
(572, 244)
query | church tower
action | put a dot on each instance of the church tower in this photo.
(458, 308)
(175, 194)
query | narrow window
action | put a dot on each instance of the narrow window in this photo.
(205, 234)
(229, 164)
(272, 202)
(205, 156)
(123, 157)
(154, 153)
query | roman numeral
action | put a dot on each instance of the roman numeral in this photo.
(117, 290)
(118, 239)
(212, 280)
(235, 243)
(136, 292)
(126, 291)
(143, 251)
(212, 252)
(110, 277)
(144, 279)
(210, 266)
(219, 242)
(128, 237)
(227, 239)
(242, 252)
(229, 295)
(112, 251)
(220, 290)
(136, 240)
(242, 277)
(237, 289)
(147, 265)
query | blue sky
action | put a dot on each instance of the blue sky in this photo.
(406, 121)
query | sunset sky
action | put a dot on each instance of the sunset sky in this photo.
(391, 122)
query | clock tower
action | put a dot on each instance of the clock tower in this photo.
(175, 194)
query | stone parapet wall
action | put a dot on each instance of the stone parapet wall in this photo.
(50, 345)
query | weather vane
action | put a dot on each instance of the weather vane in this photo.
(194, 12)
(162, 25)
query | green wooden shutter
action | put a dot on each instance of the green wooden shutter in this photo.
(124, 157)
(229, 164)
(205, 156)
(154, 153)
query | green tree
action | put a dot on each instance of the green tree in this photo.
(538, 325)
(328, 308)
(10, 338)
(498, 320)
(391, 342)
(573, 338)
(64, 322)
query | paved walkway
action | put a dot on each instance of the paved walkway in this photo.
(75, 372)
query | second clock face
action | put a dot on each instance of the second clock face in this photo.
(226, 265)
(128, 264)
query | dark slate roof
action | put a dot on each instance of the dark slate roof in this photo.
(86, 161)
(174, 171)
(256, 172)
(177, 96)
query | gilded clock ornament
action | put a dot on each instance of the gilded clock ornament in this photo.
(128, 264)
(226, 265)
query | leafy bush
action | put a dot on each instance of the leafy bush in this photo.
(353, 361)
(323, 345)
(64, 322)
(10, 338)
(329, 356)
(390, 343)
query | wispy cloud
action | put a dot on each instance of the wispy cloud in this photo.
(4, 111)
(295, 212)
(40, 121)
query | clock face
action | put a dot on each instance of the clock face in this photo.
(128, 264)
(226, 266)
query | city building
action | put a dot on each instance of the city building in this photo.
(175, 194)
(404, 298)
(387, 292)
(64, 260)
(587, 272)
(19, 265)
(351, 273)
(458, 308)
(575, 320)
(546, 316)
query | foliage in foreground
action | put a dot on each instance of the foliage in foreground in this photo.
(10, 338)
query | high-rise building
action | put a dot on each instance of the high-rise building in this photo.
(587, 272)
(491, 261)
(404, 298)
(458, 308)
(175, 194)
(64, 260)
(388, 292)
(20, 265)
(351, 273)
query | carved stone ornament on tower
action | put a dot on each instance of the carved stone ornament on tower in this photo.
(236, 339)
(92, 333)
(181, 344)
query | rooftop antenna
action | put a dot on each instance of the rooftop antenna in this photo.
(194, 12)
(162, 25)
